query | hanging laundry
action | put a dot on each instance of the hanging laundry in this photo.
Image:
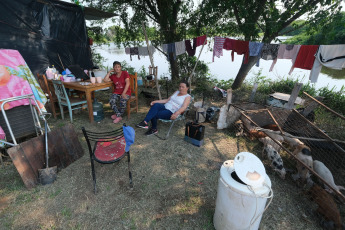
(171, 49)
(331, 56)
(180, 47)
(165, 48)
(143, 51)
(241, 47)
(201, 40)
(218, 47)
(190, 50)
(294, 56)
(229, 44)
(305, 57)
(285, 52)
(127, 50)
(269, 51)
(134, 51)
(255, 50)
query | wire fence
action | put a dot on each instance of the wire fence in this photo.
(305, 144)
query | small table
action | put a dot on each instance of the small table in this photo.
(88, 89)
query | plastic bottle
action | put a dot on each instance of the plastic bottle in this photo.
(54, 70)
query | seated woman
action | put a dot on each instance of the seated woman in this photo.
(167, 109)
(122, 91)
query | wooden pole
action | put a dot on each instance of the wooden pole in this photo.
(151, 60)
(196, 63)
(337, 114)
(319, 130)
(294, 95)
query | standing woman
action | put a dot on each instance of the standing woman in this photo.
(122, 91)
(168, 109)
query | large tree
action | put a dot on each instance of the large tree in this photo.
(167, 16)
(263, 20)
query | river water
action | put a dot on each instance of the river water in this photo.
(222, 68)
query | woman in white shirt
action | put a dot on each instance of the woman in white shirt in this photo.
(167, 109)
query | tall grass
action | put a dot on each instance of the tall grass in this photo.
(332, 98)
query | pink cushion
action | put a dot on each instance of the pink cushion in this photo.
(111, 150)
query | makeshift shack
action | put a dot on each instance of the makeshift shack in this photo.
(43, 30)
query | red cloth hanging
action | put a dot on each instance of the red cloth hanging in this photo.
(200, 40)
(228, 44)
(306, 57)
(241, 47)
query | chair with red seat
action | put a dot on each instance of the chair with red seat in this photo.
(109, 147)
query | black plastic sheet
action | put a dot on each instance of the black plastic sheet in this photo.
(43, 30)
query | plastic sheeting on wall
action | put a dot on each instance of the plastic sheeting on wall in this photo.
(43, 30)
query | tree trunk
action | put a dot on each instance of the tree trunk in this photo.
(242, 73)
(173, 67)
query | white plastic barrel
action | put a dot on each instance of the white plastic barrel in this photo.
(237, 207)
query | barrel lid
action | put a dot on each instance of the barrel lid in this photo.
(249, 169)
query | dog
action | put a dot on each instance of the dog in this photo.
(321, 169)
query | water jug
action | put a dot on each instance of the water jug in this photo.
(98, 113)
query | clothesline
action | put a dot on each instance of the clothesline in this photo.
(309, 57)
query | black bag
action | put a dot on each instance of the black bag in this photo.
(195, 131)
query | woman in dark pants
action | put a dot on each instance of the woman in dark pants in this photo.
(167, 109)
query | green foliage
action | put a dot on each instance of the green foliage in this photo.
(334, 100)
(295, 28)
(97, 34)
(330, 32)
(98, 59)
(127, 67)
(201, 80)
(142, 71)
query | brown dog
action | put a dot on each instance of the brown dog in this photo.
(326, 206)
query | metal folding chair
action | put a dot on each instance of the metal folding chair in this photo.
(108, 147)
(179, 118)
(21, 121)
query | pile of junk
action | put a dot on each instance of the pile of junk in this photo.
(25, 136)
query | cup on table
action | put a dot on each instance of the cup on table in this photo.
(93, 80)
(99, 79)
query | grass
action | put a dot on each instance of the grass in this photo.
(175, 185)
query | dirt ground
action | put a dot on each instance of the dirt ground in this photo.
(175, 185)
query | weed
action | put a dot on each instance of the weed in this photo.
(24, 198)
(55, 193)
(124, 215)
(60, 125)
(66, 212)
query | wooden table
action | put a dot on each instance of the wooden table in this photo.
(88, 89)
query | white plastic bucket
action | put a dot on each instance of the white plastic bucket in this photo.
(237, 207)
(100, 73)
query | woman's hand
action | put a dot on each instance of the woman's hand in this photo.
(174, 116)
(124, 96)
(110, 71)
(152, 103)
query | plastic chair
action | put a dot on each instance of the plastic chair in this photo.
(180, 117)
(65, 100)
(133, 98)
(49, 92)
(108, 147)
